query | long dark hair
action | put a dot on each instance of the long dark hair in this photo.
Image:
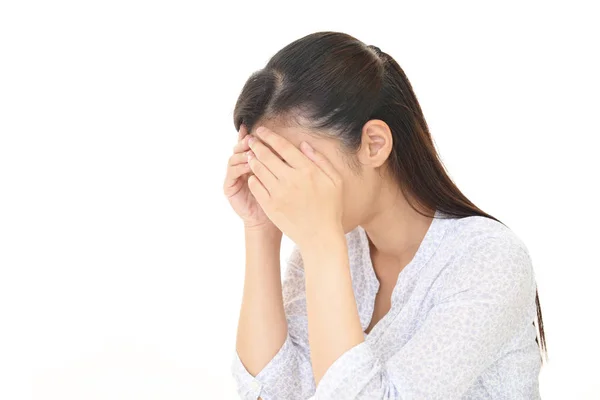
(337, 83)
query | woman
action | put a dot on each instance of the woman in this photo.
(398, 286)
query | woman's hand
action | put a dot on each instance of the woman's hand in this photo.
(299, 190)
(236, 188)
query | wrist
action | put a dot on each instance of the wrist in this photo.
(323, 238)
(263, 247)
(265, 233)
(326, 253)
(266, 228)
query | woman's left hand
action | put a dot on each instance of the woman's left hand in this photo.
(301, 196)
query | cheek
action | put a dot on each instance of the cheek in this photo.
(351, 185)
(353, 195)
(352, 205)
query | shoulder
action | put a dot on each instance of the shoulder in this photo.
(488, 257)
(477, 233)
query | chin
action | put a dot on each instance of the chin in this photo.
(349, 226)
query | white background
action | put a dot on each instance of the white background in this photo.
(121, 262)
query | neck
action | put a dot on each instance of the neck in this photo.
(395, 229)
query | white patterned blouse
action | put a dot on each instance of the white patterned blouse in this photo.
(460, 326)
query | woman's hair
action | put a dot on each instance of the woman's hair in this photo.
(333, 83)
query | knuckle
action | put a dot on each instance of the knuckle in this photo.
(256, 166)
(257, 149)
(276, 193)
(284, 145)
(310, 172)
(235, 159)
(283, 180)
(276, 140)
(304, 171)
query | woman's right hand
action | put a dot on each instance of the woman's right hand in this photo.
(236, 188)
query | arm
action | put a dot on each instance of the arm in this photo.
(333, 319)
(272, 356)
(486, 304)
(261, 327)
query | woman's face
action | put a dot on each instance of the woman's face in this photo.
(359, 190)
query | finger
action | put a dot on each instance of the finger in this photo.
(238, 158)
(258, 190)
(266, 156)
(321, 161)
(282, 146)
(263, 173)
(242, 145)
(234, 172)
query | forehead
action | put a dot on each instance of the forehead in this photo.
(292, 134)
(296, 135)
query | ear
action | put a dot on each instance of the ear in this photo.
(376, 143)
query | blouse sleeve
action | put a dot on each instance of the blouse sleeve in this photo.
(288, 375)
(485, 302)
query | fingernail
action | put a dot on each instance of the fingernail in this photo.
(308, 147)
(251, 140)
